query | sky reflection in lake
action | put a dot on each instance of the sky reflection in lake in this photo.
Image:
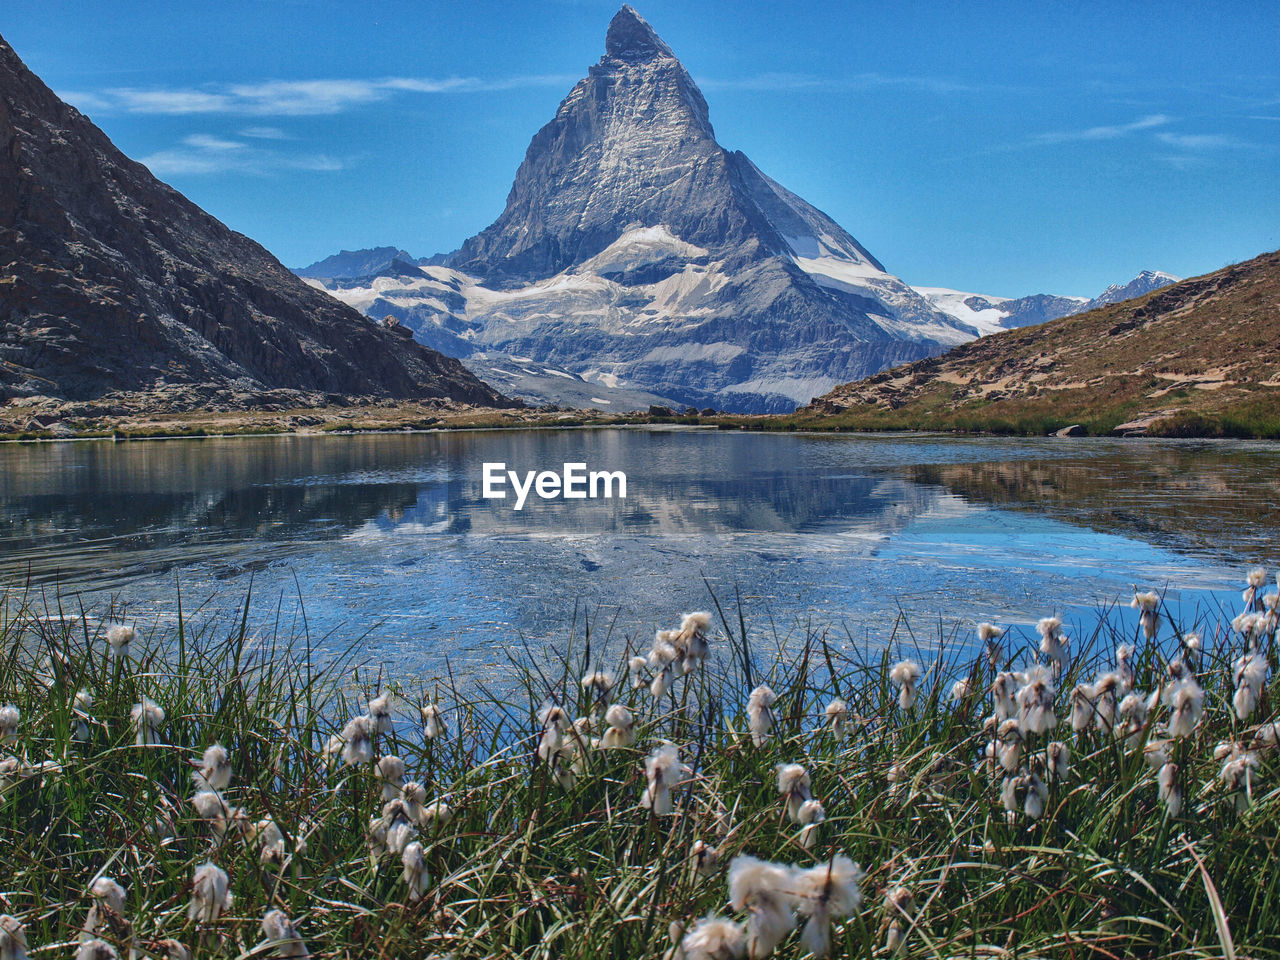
(389, 533)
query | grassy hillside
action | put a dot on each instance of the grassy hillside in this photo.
(1198, 358)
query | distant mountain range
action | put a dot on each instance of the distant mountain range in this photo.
(991, 314)
(112, 284)
(638, 257)
(1191, 358)
(638, 261)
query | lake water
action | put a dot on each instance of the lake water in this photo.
(388, 536)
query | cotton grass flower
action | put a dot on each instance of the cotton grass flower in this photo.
(390, 773)
(357, 741)
(837, 714)
(714, 938)
(705, 859)
(989, 636)
(415, 874)
(598, 687)
(119, 638)
(810, 816)
(400, 825)
(82, 710)
(10, 718)
(1249, 674)
(1254, 582)
(1185, 700)
(214, 770)
(436, 814)
(13, 939)
(96, 950)
(905, 675)
(1106, 692)
(793, 787)
(1237, 777)
(1008, 747)
(1059, 757)
(210, 894)
(1148, 607)
(900, 907)
(1024, 793)
(553, 722)
(1082, 708)
(823, 893)
(621, 730)
(765, 892)
(663, 771)
(1251, 626)
(266, 833)
(1131, 719)
(691, 639)
(380, 713)
(214, 811)
(960, 690)
(638, 671)
(148, 718)
(1004, 689)
(283, 936)
(760, 714)
(106, 914)
(1124, 669)
(433, 725)
(1035, 702)
(1054, 644)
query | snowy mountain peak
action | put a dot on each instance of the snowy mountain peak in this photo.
(630, 38)
(635, 251)
(1144, 282)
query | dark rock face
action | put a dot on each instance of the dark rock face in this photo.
(354, 263)
(1038, 308)
(111, 281)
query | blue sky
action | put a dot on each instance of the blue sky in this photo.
(1003, 148)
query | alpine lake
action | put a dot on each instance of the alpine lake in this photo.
(387, 541)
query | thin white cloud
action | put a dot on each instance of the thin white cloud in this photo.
(290, 98)
(1107, 132)
(204, 141)
(265, 133)
(204, 154)
(1198, 141)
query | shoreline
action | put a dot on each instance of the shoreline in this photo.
(16, 424)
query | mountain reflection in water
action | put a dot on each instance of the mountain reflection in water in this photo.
(390, 533)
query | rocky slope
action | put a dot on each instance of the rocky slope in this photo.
(1198, 356)
(636, 252)
(113, 283)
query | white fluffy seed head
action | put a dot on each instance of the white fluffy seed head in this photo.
(119, 636)
(433, 725)
(714, 938)
(210, 893)
(760, 714)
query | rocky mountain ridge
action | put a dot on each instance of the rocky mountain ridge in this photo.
(637, 253)
(1196, 352)
(114, 284)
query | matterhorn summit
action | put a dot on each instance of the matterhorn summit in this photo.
(637, 258)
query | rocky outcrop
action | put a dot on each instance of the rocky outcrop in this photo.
(111, 281)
